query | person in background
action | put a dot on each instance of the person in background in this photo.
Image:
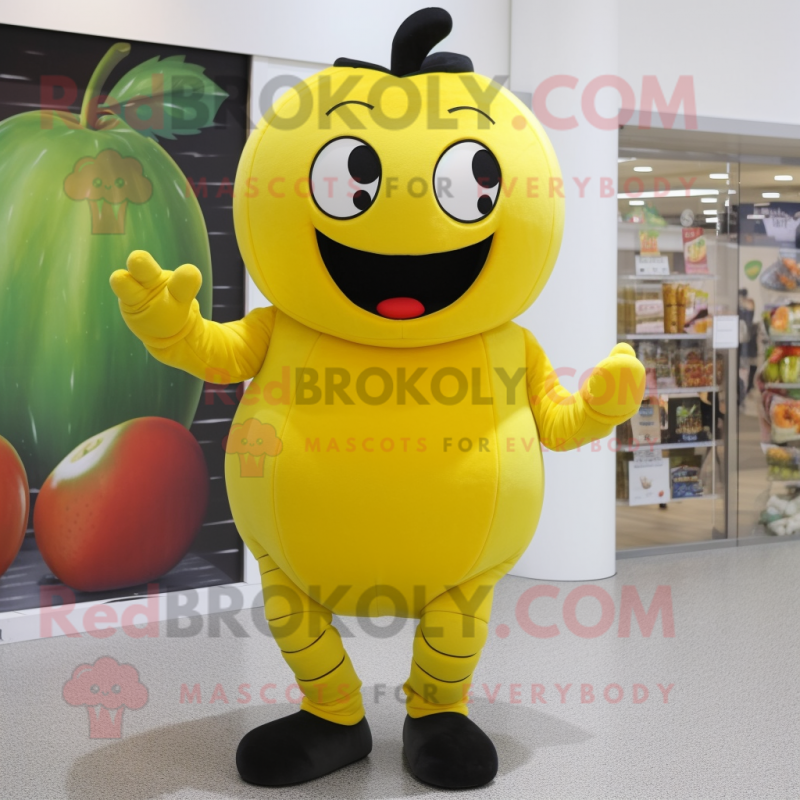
(748, 344)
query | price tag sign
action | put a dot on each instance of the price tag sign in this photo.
(652, 265)
(726, 332)
(648, 482)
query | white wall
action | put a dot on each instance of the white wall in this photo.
(741, 54)
(304, 30)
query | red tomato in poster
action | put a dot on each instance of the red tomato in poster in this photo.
(123, 507)
(14, 500)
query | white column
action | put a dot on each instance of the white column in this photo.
(574, 318)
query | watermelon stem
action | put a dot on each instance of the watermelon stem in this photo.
(89, 111)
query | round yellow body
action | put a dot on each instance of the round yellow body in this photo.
(382, 493)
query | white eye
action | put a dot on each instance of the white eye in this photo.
(345, 177)
(467, 181)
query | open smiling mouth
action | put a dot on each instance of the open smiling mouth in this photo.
(402, 286)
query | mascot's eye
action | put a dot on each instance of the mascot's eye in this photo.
(98, 182)
(345, 177)
(94, 689)
(120, 182)
(116, 688)
(467, 181)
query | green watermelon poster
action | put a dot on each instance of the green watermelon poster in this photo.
(107, 146)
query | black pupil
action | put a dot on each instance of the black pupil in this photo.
(486, 172)
(362, 200)
(363, 164)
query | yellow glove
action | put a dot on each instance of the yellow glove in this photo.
(157, 304)
(616, 386)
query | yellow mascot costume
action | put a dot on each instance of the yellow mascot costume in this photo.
(386, 458)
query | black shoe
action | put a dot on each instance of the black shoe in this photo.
(449, 750)
(299, 748)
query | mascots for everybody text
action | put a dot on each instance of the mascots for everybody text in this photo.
(386, 216)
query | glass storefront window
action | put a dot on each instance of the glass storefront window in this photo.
(677, 269)
(769, 353)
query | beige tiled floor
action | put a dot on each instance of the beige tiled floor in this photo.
(730, 727)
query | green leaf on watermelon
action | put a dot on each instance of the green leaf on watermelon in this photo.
(166, 98)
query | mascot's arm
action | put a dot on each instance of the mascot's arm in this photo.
(159, 306)
(611, 395)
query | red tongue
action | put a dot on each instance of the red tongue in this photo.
(401, 308)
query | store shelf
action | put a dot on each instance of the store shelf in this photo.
(635, 337)
(784, 337)
(684, 390)
(635, 448)
(677, 278)
(673, 500)
(782, 385)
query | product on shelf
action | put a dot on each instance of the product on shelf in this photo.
(781, 517)
(784, 415)
(684, 473)
(695, 255)
(686, 420)
(686, 364)
(664, 360)
(783, 320)
(646, 423)
(697, 319)
(669, 293)
(782, 276)
(680, 299)
(648, 242)
(667, 308)
(783, 463)
(692, 365)
(649, 310)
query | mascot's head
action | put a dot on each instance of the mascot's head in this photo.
(400, 207)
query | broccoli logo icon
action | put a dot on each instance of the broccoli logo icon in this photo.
(252, 441)
(108, 182)
(106, 688)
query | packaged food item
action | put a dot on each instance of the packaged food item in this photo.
(669, 294)
(694, 250)
(789, 369)
(646, 423)
(783, 463)
(684, 473)
(784, 416)
(665, 364)
(646, 353)
(783, 319)
(697, 318)
(680, 297)
(649, 314)
(782, 276)
(691, 365)
(781, 516)
(783, 364)
(648, 243)
(686, 420)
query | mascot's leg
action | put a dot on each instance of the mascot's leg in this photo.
(443, 747)
(330, 731)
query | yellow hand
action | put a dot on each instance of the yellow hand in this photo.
(616, 386)
(156, 303)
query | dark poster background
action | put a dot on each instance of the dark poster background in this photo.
(216, 555)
